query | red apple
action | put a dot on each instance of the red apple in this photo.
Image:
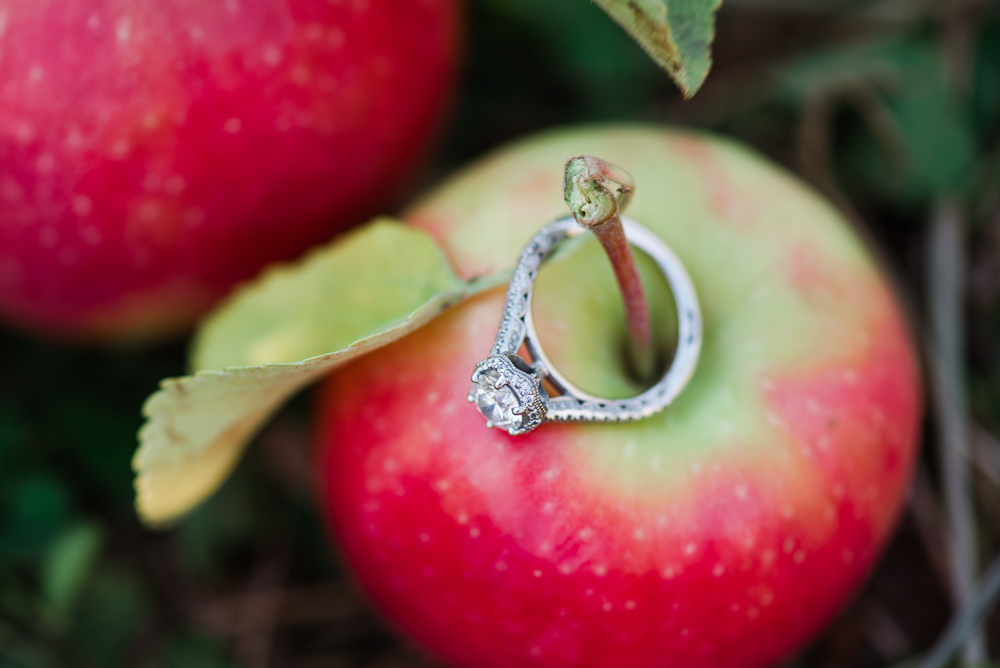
(724, 531)
(153, 154)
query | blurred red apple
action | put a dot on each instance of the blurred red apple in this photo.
(153, 154)
(723, 532)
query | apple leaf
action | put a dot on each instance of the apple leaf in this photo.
(677, 34)
(275, 336)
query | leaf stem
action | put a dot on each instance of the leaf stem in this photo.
(597, 192)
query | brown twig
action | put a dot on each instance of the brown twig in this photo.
(929, 522)
(984, 453)
(257, 614)
(322, 603)
(885, 634)
(816, 130)
(946, 272)
(597, 192)
(946, 267)
(963, 626)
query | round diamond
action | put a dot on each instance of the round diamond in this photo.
(497, 406)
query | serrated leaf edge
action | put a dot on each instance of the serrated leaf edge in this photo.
(656, 37)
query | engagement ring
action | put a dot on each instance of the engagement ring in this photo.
(508, 390)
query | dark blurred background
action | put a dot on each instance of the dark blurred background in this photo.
(892, 108)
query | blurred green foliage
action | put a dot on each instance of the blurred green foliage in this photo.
(67, 424)
(928, 139)
(82, 584)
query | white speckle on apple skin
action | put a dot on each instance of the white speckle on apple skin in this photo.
(123, 30)
(193, 217)
(91, 235)
(68, 256)
(46, 163)
(10, 271)
(149, 211)
(48, 237)
(272, 55)
(24, 132)
(175, 185)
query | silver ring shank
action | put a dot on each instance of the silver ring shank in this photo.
(517, 326)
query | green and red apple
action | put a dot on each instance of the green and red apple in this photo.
(722, 532)
(153, 154)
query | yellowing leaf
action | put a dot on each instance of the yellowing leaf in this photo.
(364, 283)
(677, 34)
(360, 293)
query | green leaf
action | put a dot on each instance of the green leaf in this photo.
(113, 610)
(902, 78)
(569, 44)
(36, 508)
(66, 565)
(677, 34)
(280, 333)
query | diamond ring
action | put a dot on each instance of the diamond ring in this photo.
(508, 391)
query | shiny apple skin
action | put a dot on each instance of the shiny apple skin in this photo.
(153, 154)
(723, 532)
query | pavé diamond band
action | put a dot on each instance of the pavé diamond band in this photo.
(508, 391)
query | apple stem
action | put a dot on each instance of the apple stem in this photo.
(597, 206)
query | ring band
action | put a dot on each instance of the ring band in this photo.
(508, 391)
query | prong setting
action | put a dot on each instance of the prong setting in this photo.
(508, 396)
